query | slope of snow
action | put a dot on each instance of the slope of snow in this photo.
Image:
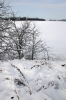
(32, 80)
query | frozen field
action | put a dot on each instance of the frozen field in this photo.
(54, 33)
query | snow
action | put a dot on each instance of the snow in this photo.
(53, 33)
(31, 80)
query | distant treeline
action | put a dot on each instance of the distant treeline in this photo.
(29, 19)
(58, 20)
(23, 19)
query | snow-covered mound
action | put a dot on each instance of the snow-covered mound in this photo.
(32, 80)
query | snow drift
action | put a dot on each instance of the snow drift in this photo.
(32, 80)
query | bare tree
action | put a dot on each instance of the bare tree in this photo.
(34, 46)
(4, 27)
(20, 37)
(25, 42)
(16, 42)
(36, 49)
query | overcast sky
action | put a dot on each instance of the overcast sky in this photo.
(47, 9)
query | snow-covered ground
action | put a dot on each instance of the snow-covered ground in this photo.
(32, 80)
(53, 33)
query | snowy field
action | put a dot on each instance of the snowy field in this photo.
(54, 34)
(32, 80)
(36, 80)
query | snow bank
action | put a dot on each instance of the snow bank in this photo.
(31, 80)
